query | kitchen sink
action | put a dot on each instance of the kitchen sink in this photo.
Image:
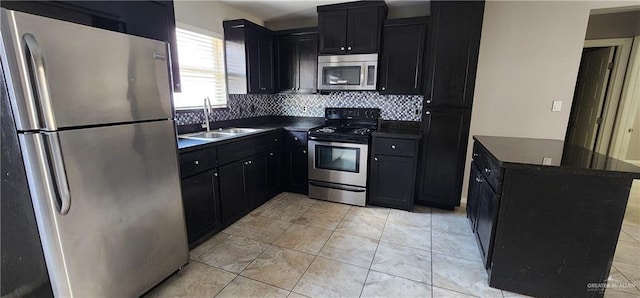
(220, 133)
(239, 130)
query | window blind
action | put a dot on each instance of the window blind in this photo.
(201, 59)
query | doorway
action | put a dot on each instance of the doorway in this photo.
(601, 102)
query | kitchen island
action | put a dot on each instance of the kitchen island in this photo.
(546, 216)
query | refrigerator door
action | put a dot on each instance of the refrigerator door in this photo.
(124, 230)
(62, 74)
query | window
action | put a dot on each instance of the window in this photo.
(202, 75)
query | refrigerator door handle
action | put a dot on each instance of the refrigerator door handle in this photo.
(39, 77)
(59, 173)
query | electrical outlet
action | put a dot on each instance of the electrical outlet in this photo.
(556, 106)
(417, 111)
(547, 161)
(304, 109)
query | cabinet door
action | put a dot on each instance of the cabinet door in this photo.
(266, 79)
(473, 196)
(297, 169)
(255, 182)
(232, 198)
(453, 52)
(332, 31)
(286, 62)
(252, 51)
(274, 172)
(487, 213)
(389, 182)
(201, 207)
(307, 66)
(363, 30)
(444, 146)
(402, 59)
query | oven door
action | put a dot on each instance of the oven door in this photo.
(337, 162)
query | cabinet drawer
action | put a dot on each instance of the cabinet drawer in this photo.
(393, 146)
(273, 140)
(296, 138)
(488, 166)
(197, 161)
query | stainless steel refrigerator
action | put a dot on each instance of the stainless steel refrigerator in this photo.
(94, 122)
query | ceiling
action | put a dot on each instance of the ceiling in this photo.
(280, 10)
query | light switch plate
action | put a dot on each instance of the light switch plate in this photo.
(547, 161)
(556, 106)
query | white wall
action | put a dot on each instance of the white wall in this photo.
(208, 15)
(529, 56)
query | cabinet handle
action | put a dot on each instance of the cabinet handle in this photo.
(196, 162)
(295, 138)
(341, 48)
(486, 170)
(304, 151)
(428, 100)
(270, 153)
(393, 146)
(475, 155)
(383, 88)
(249, 162)
(263, 88)
(427, 112)
(293, 89)
(348, 48)
(275, 140)
(478, 180)
(215, 174)
(375, 158)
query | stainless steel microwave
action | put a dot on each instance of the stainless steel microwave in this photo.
(347, 72)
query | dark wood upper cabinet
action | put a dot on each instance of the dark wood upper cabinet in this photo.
(297, 61)
(453, 53)
(249, 58)
(351, 28)
(401, 62)
(150, 19)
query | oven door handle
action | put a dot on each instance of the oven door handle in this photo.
(338, 187)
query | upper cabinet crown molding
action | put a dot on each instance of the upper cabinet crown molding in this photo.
(351, 28)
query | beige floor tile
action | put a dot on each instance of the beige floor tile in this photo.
(329, 278)
(420, 217)
(294, 198)
(264, 229)
(350, 249)
(410, 236)
(234, 254)
(194, 280)
(461, 275)
(286, 212)
(264, 207)
(451, 221)
(406, 262)
(619, 282)
(244, 287)
(237, 226)
(632, 231)
(508, 294)
(364, 226)
(320, 218)
(627, 252)
(385, 285)
(279, 267)
(631, 272)
(371, 211)
(296, 295)
(303, 238)
(332, 207)
(202, 248)
(625, 237)
(455, 245)
(611, 293)
(444, 293)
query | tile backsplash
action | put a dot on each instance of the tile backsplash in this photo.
(393, 107)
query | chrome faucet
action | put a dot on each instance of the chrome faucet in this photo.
(206, 107)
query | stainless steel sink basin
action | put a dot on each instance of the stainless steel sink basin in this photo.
(236, 130)
(220, 134)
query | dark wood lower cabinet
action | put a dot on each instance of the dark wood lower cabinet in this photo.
(274, 173)
(442, 157)
(297, 169)
(391, 184)
(201, 204)
(232, 199)
(255, 182)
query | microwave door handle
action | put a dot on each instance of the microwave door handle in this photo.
(36, 61)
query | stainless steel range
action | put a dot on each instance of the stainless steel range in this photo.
(338, 155)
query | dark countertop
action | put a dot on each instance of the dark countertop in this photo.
(185, 144)
(516, 152)
(399, 129)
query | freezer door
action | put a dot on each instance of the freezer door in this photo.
(62, 74)
(124, 230)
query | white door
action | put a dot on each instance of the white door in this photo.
(588, 100)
